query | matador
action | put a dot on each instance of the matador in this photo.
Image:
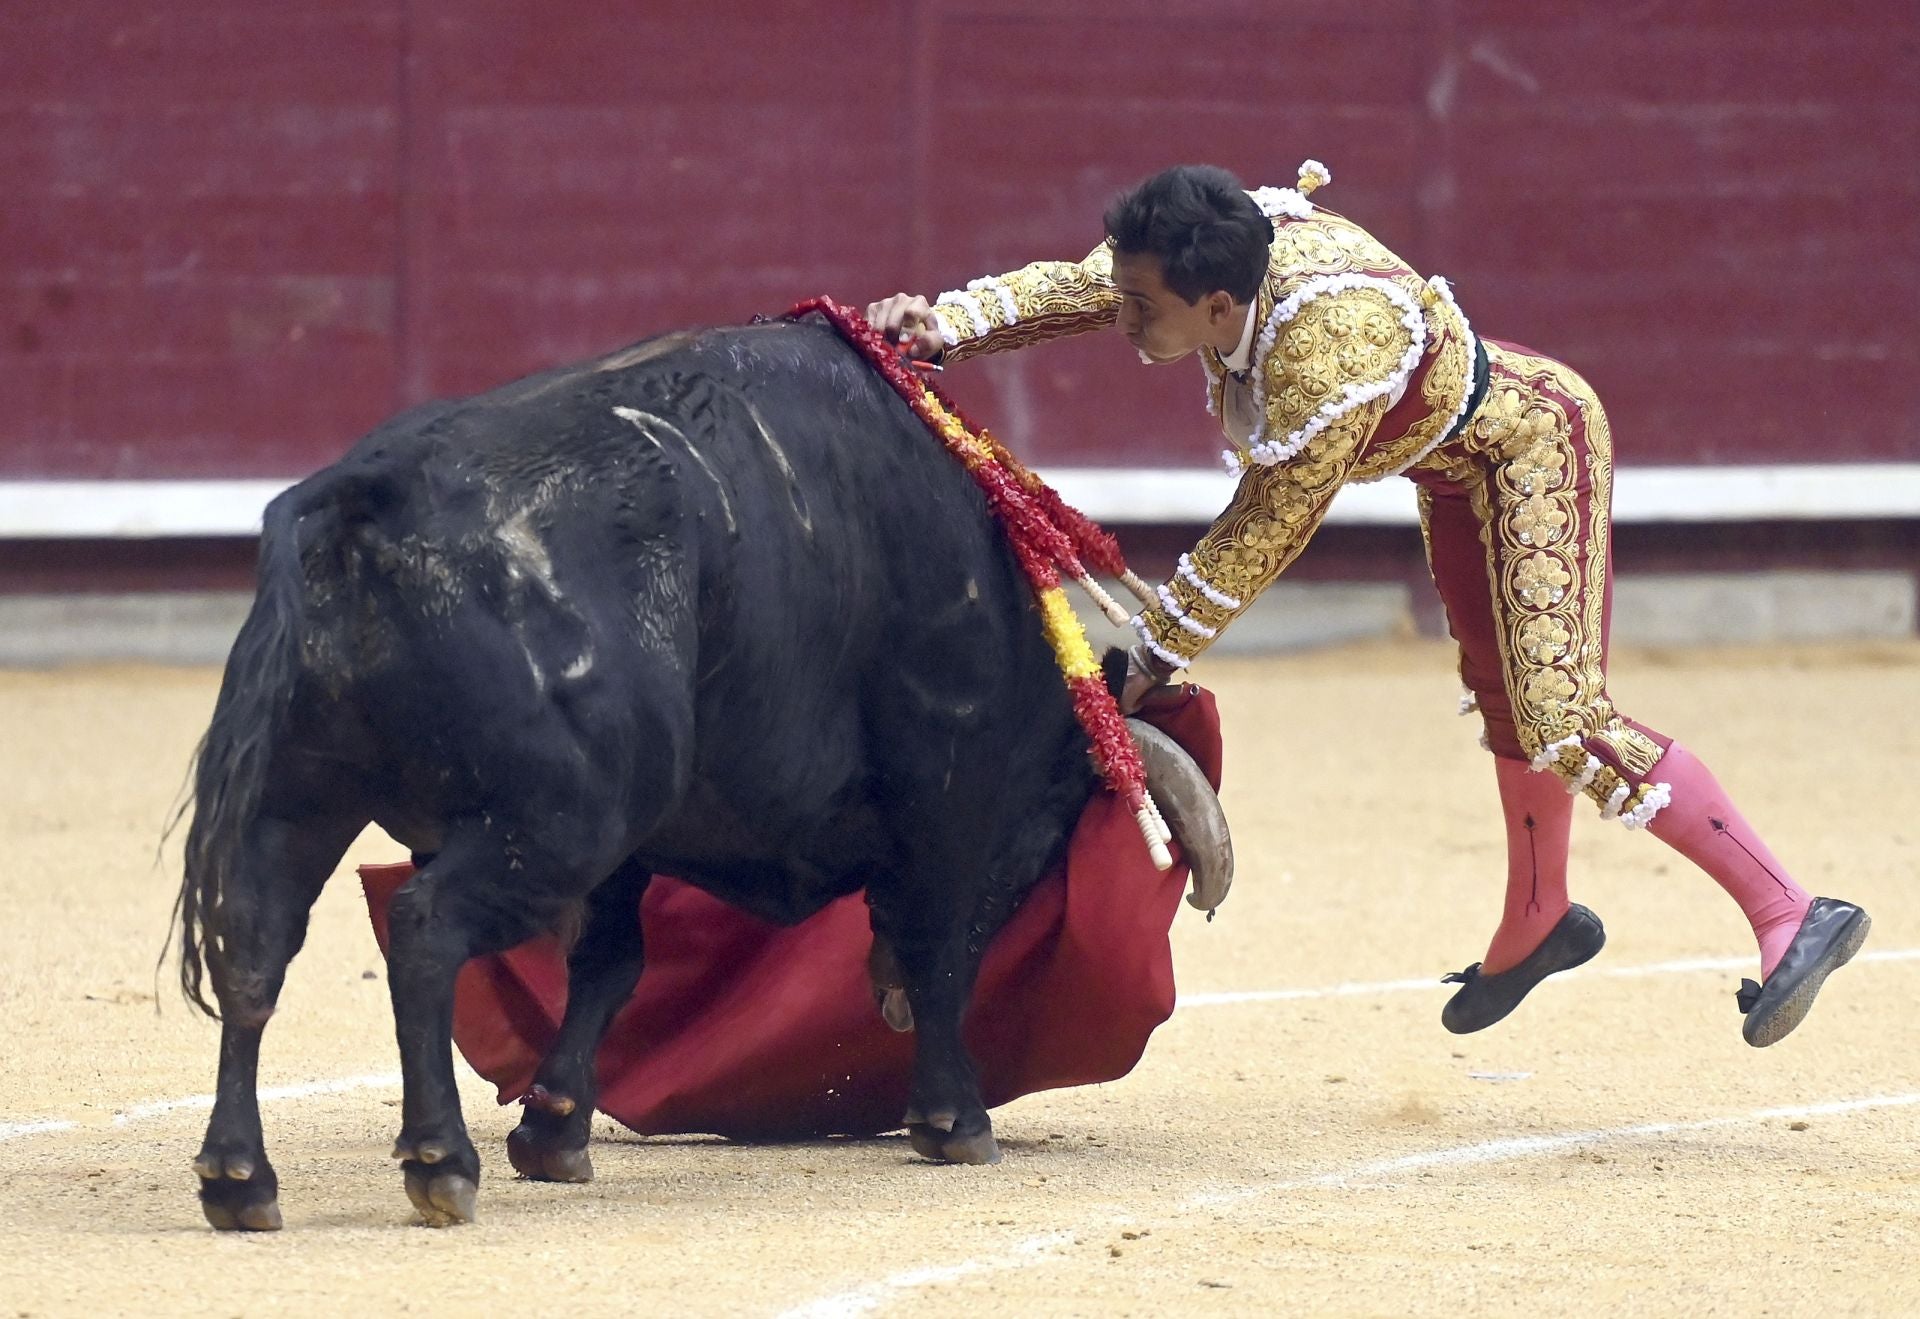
(1330, 361)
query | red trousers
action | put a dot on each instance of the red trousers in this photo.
(1517, 516)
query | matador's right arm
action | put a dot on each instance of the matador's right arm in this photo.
(1046, 300)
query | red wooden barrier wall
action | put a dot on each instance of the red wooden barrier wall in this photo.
(233, 235)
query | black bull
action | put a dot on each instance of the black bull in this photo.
(716, 606)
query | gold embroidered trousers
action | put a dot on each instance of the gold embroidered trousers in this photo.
(1516, 511)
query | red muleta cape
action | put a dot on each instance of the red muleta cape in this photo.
(762, 1032)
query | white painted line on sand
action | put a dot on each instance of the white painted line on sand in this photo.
(161, 1107)
(1030, 1251)
(15, 1130)
(1521, 1147)
(306, 1090)
(386, 1080)
(869, 1297)
(1355, 988)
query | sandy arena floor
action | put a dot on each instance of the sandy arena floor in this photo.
(1614, 1148)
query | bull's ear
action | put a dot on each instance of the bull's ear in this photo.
(1113, 670)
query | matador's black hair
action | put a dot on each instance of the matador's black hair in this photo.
(1202, 225)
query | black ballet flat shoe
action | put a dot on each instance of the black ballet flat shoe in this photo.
(1484, 999)
(1829, 935)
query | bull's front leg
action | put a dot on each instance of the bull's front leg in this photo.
(550, 1144)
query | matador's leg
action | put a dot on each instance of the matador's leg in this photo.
(1543, 499)
(1538, 810)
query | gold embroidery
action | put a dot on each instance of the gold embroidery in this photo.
(1512, 421)
(1547, 566)
(1051, 299)
(1548, 691)
(1329, 244)
(1330, 355)
(1355, 337)
(1543, 640)
(1535, 591)
(1274, 511)
(1537, 520)
(1631, 747)
(1448, 380)
(1540, 580)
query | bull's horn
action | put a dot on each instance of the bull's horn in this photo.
(1192, 811)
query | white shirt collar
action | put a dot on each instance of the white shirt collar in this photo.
(1242, 357)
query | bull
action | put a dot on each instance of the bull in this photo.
(715, 606)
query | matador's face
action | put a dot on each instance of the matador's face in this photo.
(1161, 325)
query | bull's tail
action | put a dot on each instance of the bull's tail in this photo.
(229, 769)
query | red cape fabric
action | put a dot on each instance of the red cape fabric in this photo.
(762, 1032)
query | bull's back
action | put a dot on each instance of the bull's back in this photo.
(742, 531)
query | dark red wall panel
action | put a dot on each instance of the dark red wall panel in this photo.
(582, 175)
(234, 235)
(198, 242)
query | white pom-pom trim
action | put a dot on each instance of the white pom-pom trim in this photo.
(1146, 638)
(968, 303)
(1004, 293)
(1550, 753)
(1588, 773)
(1276, 203)
(1192, 577)
(1617, 799)
(1659, 795)
(1180, 616)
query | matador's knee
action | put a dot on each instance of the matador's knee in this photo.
(1614, 763)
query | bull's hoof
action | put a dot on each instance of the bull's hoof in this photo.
(533, 1155)
(949, 1145)
(442, 1176)
(238, 1192)
(443, 1197)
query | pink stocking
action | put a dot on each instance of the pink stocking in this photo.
(1702, 824)
(1539, 816)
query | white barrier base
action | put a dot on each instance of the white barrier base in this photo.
(1119, 495)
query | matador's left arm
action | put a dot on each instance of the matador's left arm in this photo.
(1324, 387)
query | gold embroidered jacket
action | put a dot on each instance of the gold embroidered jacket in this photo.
(1360, 368)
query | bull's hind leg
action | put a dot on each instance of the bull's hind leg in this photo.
(263, 921)
(923, 912)
(550, 1144)
(474, 898)
(945, 1118)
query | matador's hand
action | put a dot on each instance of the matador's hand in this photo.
(907, 320)
(1146, 673)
